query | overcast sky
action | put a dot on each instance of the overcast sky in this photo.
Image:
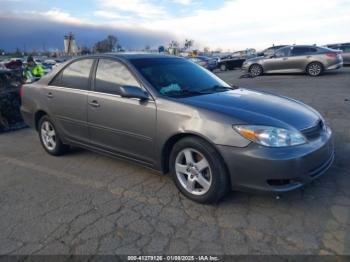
(226, 24)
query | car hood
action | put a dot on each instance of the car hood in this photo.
(257, 108)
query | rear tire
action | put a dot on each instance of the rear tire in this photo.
(49, 137)
(255, 70)
(198, 170)
(223, 67)
(314, 69)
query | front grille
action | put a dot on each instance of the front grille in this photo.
(313, 132)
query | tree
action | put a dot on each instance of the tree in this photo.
(173, 44)
(161, 49)
(147, 48)
(85, 50)
(2, 51)
(188, 43)
(18, 53)
(107, 45)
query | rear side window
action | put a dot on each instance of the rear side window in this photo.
(303, 50)
(111, 75)
(76, 75)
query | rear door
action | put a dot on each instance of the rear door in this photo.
(346, 53)
(120, 125)
(301, 57)
(67, 99)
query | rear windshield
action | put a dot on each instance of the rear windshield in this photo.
(177, 77)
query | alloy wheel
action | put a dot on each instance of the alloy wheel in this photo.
(314, 69)
(255, 70)
(223, 67)
(48, 135)
(193, 171)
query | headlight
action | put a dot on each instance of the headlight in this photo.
(271, 136)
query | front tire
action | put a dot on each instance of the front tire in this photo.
(255, 70)
(49, 138)
(198, 170)
(314, 69)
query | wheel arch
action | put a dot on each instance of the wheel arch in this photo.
(38, 115)
(169, 144)
(262, 68)
(315, 61)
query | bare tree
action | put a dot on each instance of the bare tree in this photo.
(107, 45)
(173, 44)
(188, 43)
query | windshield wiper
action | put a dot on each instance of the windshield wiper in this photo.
(185, 92)
(217, 88)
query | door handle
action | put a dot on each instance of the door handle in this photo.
(284, 59)
(94, 103)
(49, 95)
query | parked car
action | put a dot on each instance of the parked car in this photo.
(345, 48)
(14, 64)
(211, 136)
(204, 61)
(236, 59)
(312, 60)
(270, 51)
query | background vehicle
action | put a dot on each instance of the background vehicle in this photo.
(236, 59)
(211, 136)
(14, 64)
(270, 51)
(204, 61)
(296, 59)
(345, 48)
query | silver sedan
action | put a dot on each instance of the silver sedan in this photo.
(312, 60)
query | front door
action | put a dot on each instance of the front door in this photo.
(279, 62)
(120, 125)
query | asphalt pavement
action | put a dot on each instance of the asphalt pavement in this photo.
(86, 203)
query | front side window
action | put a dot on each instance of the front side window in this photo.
(75, 75)
(282, 52)
(178, 77)
(111, 75)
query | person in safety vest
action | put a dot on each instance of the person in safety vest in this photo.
(32, 70)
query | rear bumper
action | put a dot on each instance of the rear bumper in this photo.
(28, 117)
(258, 168)
(334, 67)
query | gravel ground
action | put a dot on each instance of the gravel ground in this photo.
(85, 203)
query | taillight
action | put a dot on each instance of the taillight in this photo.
(21, 91)
(331, 54)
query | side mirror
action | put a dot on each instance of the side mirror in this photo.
(133, 92)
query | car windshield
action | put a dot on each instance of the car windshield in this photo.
(178, 77)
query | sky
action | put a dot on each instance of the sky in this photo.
(217, 24)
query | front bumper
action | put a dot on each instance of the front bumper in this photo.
(245, 68)
(259, 168)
